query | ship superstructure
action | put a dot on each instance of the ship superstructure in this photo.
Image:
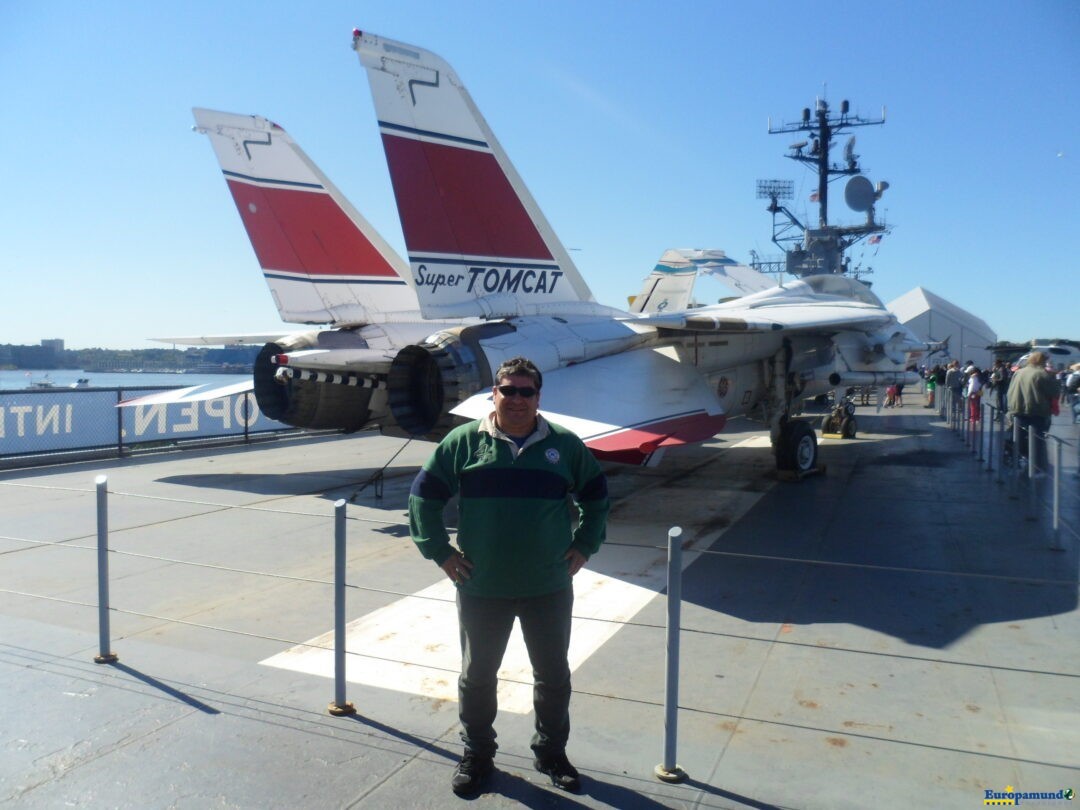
(821, 250)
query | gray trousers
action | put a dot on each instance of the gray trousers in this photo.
(485, 625)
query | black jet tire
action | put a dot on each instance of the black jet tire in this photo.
(848, 427)
(798, 448)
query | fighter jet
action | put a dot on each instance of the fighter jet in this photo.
(412, 346)
(629, 383)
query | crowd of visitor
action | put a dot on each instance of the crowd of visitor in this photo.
(1029, 393)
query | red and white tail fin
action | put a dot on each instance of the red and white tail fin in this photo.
(323, 261)
(478, 243)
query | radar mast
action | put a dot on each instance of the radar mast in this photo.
(812, 251)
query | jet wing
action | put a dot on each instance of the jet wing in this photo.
(740, 277)
(786, 317)
(222, 340)
(822, 303)
(193, 393)
(626, 406)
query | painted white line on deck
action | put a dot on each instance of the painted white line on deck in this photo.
(755, 441)
(417, 648)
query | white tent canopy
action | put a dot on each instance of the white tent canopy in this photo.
(931, 317)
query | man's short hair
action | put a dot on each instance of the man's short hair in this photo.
(520, 366)
(1036, 359)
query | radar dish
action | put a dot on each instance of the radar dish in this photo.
(859, 193)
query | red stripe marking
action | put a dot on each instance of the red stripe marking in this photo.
(305, 232)
(458, 201)
(632, 445)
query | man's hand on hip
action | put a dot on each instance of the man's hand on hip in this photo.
(575, 560)
(457, 567)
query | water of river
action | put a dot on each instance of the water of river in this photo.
(63, 378)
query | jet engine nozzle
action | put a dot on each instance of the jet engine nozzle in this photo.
(427, 379)
(289, 393)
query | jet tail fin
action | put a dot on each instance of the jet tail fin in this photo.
(668, 287)
(478, 243)
(323, 262)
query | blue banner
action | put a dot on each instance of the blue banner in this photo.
(77, 419)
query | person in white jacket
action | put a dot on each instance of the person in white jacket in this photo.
(973, 393)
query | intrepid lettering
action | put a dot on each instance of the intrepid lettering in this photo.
(47, 419)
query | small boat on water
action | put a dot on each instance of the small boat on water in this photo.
(46, 383)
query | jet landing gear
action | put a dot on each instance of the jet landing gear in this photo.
(796, 449)
(840, 423)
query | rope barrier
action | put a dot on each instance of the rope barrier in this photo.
(628, 623)
(704, 552)
(223, 506)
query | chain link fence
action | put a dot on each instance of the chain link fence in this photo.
(39, 427)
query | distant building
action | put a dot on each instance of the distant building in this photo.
(55, 344)
(34, 357)
(933, 318)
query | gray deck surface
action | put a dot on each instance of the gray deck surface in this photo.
(893, 633)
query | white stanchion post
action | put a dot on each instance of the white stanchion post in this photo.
(668, 770)
(104, 656)
(340, 707)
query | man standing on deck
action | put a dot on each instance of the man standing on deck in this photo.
(954, 383)
(517, 552)
(1031, 391)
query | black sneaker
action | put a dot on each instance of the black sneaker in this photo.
(471, 773)
(563, 775)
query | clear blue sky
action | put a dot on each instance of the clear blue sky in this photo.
(638, 126)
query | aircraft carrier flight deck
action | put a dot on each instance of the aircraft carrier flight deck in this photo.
(900, 630)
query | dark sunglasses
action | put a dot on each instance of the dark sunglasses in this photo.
(526, 391)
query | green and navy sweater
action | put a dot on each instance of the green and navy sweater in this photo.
(514, 525)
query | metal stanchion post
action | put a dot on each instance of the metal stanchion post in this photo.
(668, 770)
(1016, 446)
(119, 424)
(340, 706)
(989, 410)
(1001, 451)
(977, 432)
(104, 655)
(1031, 451)
(1056, 543)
